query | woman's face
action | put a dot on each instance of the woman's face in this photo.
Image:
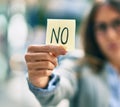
(107, 32)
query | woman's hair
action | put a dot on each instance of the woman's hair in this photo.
(93, 55)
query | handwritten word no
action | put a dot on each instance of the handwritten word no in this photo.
(60, 35)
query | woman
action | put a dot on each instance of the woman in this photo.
(93, 83)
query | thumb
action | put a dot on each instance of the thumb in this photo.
(57, 50)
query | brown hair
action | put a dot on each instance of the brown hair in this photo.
(93, 55)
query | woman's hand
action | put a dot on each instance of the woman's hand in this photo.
(41, 60)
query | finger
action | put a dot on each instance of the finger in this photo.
(41, 65)
(55, 49)
(36, 57)
(40, 73)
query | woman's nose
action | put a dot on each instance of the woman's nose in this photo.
(111, 33)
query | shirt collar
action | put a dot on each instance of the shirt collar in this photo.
(113, 78)
(111, 70)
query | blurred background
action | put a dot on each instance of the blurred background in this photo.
(23, 22)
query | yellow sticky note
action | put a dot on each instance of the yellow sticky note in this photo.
(61, 32)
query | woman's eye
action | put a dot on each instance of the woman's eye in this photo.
(102, 27)
(116, 23)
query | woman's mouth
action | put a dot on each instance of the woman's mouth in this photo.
(113, 46)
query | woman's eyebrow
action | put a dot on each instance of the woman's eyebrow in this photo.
(98, 23)
(117, 18)
(101, 22)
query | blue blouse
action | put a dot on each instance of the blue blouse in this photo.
(114, 84)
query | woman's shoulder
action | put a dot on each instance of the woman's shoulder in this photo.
(75, 58)
(76, 61)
